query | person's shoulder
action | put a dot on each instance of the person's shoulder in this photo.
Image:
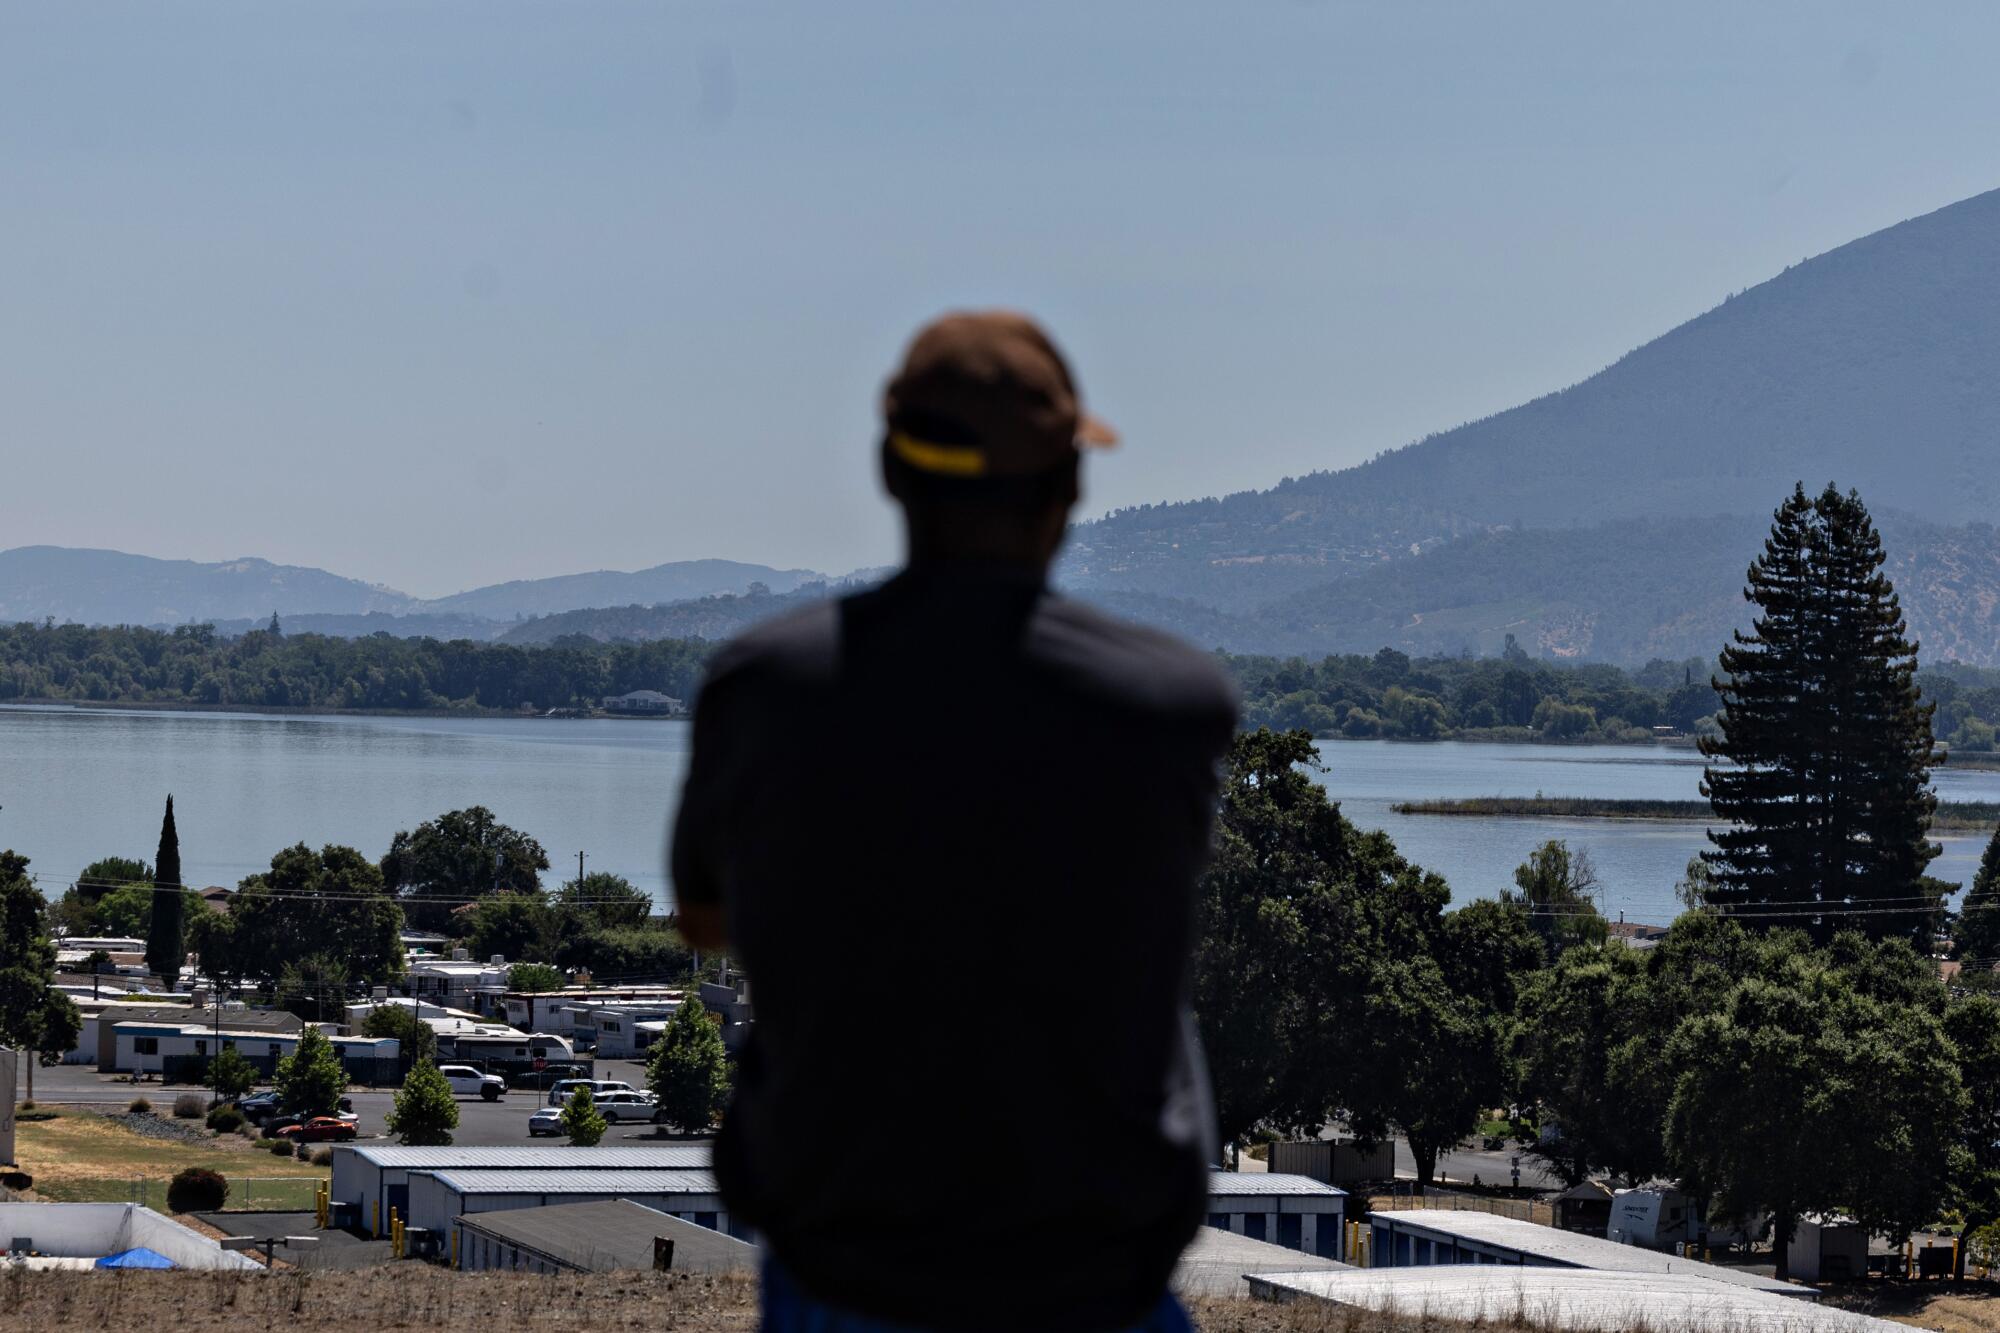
(791, 648)
(1146, 667)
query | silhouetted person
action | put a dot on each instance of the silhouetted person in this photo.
(951, 827)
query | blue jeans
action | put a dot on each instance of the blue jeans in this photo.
(789, 1310)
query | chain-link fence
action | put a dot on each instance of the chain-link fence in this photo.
(262, 1194)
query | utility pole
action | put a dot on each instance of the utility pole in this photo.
(579, 877)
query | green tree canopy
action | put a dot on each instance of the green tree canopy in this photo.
(166, 928)
(1973, 1025)
(1976, 933)
(231, 1075)
(125, 912)
(533, 977)
(34, 1016)
(425, 1112)
(605, 901)
(515, 926)
(688, 1069)
(457, 858)
(581, 1119)
(1558, 889)
(1827, 779)
(1575, 1016)
(329, 903)
(310, 1079)
(418, 1039)
(1317, 946)
(1805, 1091)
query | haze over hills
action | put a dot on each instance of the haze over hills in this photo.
(1612, 520)
(1590, 522)
(114, 588)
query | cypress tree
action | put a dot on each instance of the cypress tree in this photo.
(1829, 746)
(166, 945)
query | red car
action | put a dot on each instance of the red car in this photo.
(319, 1129)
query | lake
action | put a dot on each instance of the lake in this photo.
(78, 784)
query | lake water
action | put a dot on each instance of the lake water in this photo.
(79, 784)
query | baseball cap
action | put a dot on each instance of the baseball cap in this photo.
(986, 394)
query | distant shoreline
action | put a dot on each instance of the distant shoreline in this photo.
(1952, 816)
(276, 710)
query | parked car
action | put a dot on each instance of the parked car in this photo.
(278, 1124)
(260, 1106)
(469, 1082)
(621, 1106)
(321, 1129)
(546, 1120)
(560, 1093)
(548, 1076)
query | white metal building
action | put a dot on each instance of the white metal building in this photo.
(603, 1236)
(77, 1235)
(1442, 1236)
(439, 1198)
(375, 1179)
(1570, 1298)
(1297, 1212)
(145, 1047)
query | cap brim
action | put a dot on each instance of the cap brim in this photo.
(1095, 433)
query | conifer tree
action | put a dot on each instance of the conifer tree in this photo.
(1977, 935)
(166, 944)
(1828, 745)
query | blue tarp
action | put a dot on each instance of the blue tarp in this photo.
(138, 1258)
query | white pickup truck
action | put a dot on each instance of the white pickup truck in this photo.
(469, 1082)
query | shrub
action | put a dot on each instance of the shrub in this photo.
(225, 1120)
(282, 1147)
(425, 1112)
(189, 1106)
(232, 1075)
(140, 1106)
(197, 1190)
(688, 1070)
(322, 1156)
(28, 1105)
(581, 1119)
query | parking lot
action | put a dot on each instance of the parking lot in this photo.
(481, 1124)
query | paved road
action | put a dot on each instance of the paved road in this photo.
(481, 1124)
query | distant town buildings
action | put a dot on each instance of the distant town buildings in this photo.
(645, 701)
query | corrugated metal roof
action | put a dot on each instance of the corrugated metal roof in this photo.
(1580, 1298)
(611, 1234)
(1216, 1262)
(1570, 1247)
(577, 1182)
(653, 1158)
(1266, 1182)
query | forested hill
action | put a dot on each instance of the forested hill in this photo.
(1870, 366)
(1621, 592)
(1380, 694)
(93, 587)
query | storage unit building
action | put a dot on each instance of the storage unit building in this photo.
(1829, 1249)
(1423, 1237)
(605, 1236)
(1297, 1212)
(1565, 1298)
(439, 1198)
(372, 1180)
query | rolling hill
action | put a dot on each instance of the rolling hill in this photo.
(1618, 514)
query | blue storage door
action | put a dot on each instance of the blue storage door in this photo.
(1291, 1234)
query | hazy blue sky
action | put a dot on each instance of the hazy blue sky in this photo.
(438, 294)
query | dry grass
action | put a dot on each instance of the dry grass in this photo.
(79, 1156)
(413, 1296)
